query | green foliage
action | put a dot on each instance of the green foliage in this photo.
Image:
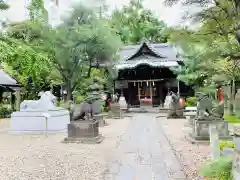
(226, 144)
(79, 99)
(219, 169)
(37, 11)
(191, 101)
(5, 112)
(3, 5)
(133, 24)
(232, 119)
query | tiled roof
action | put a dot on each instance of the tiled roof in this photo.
(164, 50)
(6, 80)
(167, 56)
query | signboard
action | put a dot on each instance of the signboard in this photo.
(121, 84)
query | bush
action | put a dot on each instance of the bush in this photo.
(232, 119)
(191, 101)
(79, 99)
(226, 144)
(5, 112)
(220, 169)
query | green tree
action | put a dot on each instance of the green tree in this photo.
(37, 11)
(133, 24)
(219, 22)
(25, 55)
(82, 41)
(3, 5)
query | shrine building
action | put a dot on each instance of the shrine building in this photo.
(145, 74)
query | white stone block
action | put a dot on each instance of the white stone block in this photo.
(35, 120)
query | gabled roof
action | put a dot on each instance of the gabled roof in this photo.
(160, 55)
(7, 81)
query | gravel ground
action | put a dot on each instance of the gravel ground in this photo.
(34, 157)
(191, 156)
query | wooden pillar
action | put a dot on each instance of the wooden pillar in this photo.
(178, 93)
(150, 85)
(18, 99)
(138, 91)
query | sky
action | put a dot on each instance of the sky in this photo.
(172, 16)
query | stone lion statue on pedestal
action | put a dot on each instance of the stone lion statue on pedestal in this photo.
(47, 101)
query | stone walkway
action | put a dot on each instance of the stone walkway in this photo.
(144, 153)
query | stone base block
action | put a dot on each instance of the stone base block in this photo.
(93, 140)
(100, 119)
(200, 131)
(178, 114)
(83, 132)
(204, 140)
(163, 110)
(35, 121)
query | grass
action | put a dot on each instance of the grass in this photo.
(232, 119)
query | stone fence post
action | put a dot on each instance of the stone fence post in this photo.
(236, 156)
(214, 141)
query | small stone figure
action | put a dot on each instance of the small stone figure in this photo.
(176, 109)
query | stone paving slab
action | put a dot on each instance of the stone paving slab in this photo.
(144, 153)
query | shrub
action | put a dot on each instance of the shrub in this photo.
(79, 99)
(191, 101)
(220, 169)
(232, 119)
(226, 144)
(5, 112)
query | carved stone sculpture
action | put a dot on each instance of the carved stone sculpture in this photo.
(176, 109)
(40, 115)
(208, 112)
(84, 125)
(47, 101)
(207, 109)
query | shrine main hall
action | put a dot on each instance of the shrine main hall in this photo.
(145, 74)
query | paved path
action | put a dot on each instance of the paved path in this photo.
(144, 153)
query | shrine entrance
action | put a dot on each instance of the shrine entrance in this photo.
(141, 87)
(144, 74)
(147, 92)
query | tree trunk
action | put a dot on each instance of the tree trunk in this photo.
(69, 90)
(231, 98)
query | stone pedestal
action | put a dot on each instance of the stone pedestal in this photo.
(100, 119)
(175, 114)
(200, 130)
(190, 116)
(35, 120)
(115, 111)
(86, 132)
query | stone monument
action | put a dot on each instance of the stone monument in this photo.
(208, 113)
(115, 108)
(176, 110)
(37, 115)
(84, 125)
(123, 103)
(83, 128)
